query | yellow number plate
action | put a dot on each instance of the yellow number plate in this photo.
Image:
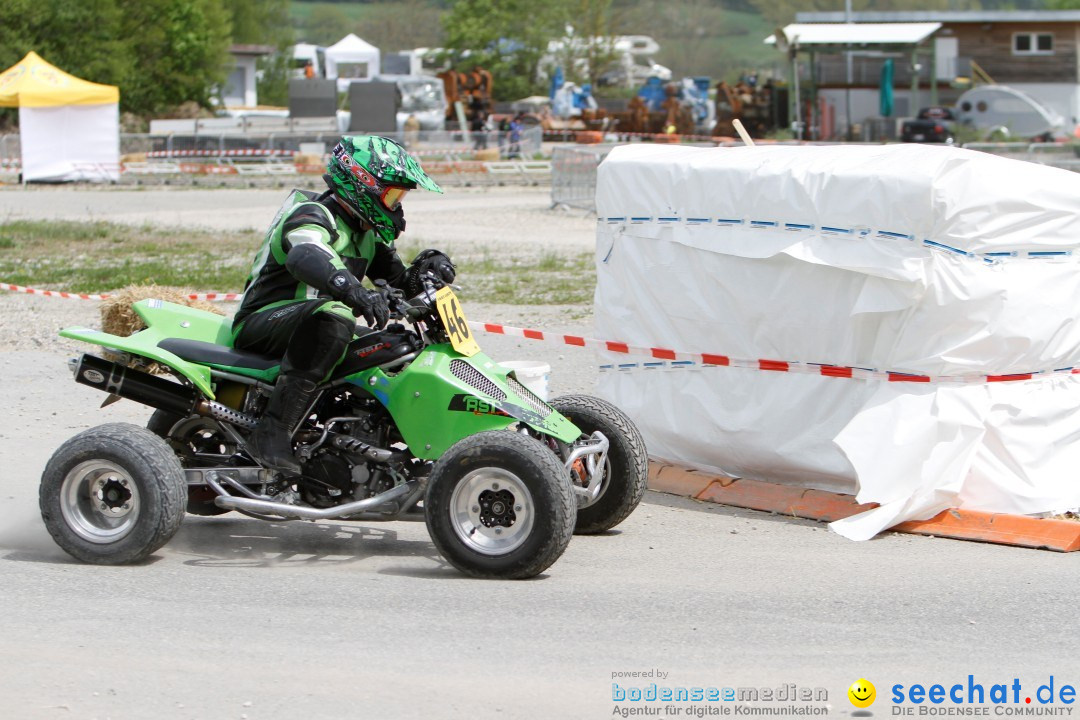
(453, 318)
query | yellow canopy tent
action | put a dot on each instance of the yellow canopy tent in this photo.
(69, 128)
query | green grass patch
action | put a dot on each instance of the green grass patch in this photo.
(547, 279)
(100, 257)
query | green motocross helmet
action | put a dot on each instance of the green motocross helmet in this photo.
(370, 175)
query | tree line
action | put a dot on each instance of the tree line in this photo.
(161, 53)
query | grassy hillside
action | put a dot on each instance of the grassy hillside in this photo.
(300, 12)
(391, 26)
(696, 37)
(701, 38)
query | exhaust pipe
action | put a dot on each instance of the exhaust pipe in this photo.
(269, 507)
(134, 385)
(151, 390)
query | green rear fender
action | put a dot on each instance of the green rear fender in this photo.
(165, 320)
(434, 408)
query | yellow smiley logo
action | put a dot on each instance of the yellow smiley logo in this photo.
(862, 693)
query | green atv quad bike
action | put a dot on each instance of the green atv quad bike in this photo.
(415, 424)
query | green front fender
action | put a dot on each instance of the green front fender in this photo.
(433, 407)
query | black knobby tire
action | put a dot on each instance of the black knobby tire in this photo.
(200, 498)
(627, 474)
(89, 480)
(499, 505)
(162, 421)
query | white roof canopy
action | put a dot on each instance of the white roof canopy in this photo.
(351, 59)
(806, 34)
(351, 45)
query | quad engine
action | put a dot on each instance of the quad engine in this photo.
(340, 468)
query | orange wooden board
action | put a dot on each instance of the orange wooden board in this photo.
(1000, 528)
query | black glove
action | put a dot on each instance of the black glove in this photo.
(433, 261)
(369, 304)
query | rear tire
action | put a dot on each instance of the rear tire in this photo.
(627, 473)
(162, 421)
(113, 494)
(499, 505)
(200, 498)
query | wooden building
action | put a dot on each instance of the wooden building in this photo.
(1033, 51)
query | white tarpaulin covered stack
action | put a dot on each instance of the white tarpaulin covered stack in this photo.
(949, 265)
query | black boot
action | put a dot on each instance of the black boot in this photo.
(271, 442)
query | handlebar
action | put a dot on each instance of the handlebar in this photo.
(402, 308)
(395, 301)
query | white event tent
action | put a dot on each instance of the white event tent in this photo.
(69, 128)
(351, 59)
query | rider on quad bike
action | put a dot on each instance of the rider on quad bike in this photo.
(304, 292)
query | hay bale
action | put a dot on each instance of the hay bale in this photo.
(488, 155)
(308, 159)
(118, 317)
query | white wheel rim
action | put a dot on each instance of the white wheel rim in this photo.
(492, 511)
(99, 501)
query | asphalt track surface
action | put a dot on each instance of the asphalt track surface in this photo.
(240, 618)
(361, 620)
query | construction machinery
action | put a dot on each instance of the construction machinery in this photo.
(472, 89)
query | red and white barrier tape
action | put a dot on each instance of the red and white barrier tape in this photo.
(662, 358)
(208, 169)
(244, 152)
(672, 136)
(724, 140)
(211, 297)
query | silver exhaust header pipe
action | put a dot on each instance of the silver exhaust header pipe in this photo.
(593, 454)
(269, 507)
(214, 409)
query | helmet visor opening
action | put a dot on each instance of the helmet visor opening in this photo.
(392, 196)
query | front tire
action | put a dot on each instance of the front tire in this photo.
(499, 505)
(626, 474)
(113, 494)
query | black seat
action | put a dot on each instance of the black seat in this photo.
(210, 354)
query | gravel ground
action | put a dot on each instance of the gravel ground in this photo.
(510, 219)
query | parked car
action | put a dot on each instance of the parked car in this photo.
(932, 125)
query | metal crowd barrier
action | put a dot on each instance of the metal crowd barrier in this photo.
(229, 173)
(573, 175)
(10, 151)
(421, 142)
